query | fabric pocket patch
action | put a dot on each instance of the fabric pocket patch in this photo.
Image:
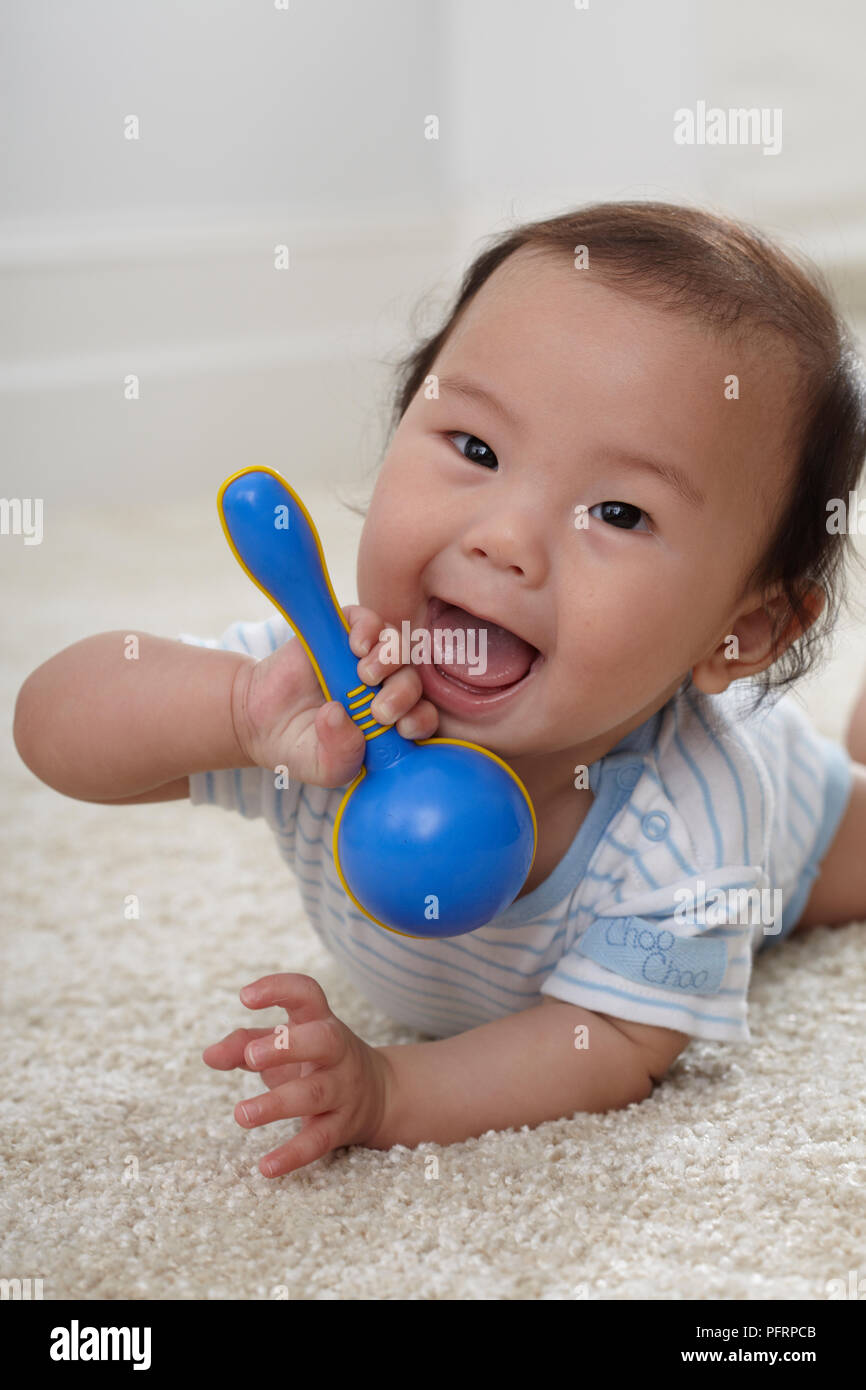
(651, 954)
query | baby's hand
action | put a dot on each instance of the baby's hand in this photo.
(281, 718)
(315, 1067)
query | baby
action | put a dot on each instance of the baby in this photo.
(616, 461)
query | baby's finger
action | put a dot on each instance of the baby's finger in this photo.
(315, 1094)
(278, 1076)
(338, 750)
(399, 693)
(229, 1051)
(421, 722)
(320, 1134)
(327, 747)
(379, 663)
(301, 994)
(319, 1041)
(364, 628)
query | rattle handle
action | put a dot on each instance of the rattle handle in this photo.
(274, 539)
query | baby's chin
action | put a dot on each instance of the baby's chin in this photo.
(508, 735)
(530, 730)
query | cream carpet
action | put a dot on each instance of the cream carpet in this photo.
(124, 1173)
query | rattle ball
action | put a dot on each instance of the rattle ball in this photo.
(434, 837)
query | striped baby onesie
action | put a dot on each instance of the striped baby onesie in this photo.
(706, 831)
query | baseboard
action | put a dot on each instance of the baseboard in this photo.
(167, 353)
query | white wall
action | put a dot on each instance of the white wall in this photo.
(553, 106)
(241, 106)
(306, 127)
(156, 257)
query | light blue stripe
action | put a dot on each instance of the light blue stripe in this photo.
(239, 796)
(615, 883)
(236, 630)
(702, 783)
(317, 815)
(310, 882)
(808, 811)
(837, 791)
(399, 944)
(726, 757)
(812, 773)
(313, 840)
(630, 854)
(414, 989)
(653, 1003)
(466, 1009)
(602, 878)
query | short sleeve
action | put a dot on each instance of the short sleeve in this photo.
(250, 791)
(812, 779)
(711, 839)
(670, 907)
(684, 963)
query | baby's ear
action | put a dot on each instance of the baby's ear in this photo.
(814, 601)
(791, 625)
(759, 635)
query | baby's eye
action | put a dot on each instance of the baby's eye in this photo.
(477, 450)
(621, 514)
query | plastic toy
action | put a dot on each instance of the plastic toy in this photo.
(434, 837)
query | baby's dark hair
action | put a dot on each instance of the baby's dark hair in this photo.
(738, 282)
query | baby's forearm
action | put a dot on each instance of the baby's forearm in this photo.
(98, 724)
(519, 1070)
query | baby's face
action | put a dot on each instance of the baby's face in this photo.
(477, 499)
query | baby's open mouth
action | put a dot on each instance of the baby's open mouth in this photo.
(480, 655)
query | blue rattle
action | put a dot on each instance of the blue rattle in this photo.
(434, 837)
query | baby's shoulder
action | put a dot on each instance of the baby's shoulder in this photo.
(727, 774)
(719, 747)
(708, 789)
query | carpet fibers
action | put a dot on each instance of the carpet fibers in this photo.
(124, 1173)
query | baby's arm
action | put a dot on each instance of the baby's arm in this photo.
(100, 726)
(519, 1070)
(97, 725)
